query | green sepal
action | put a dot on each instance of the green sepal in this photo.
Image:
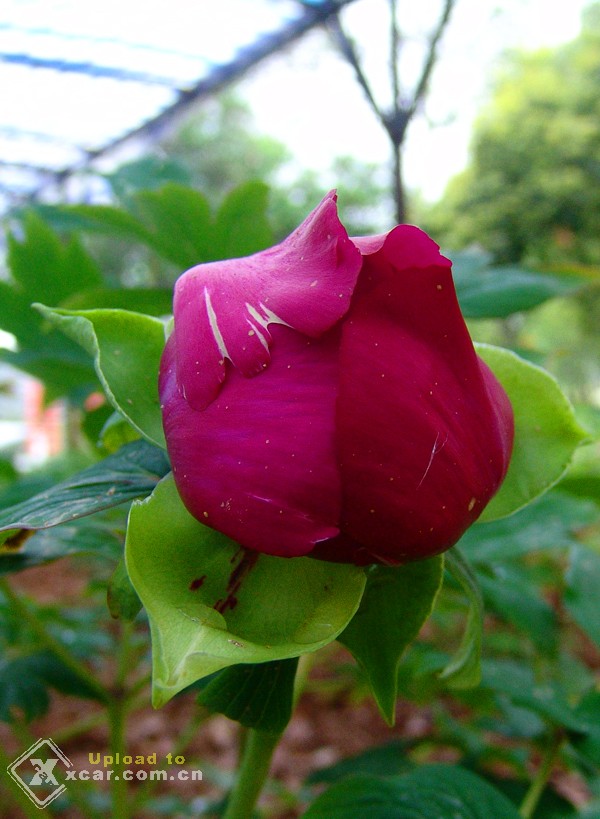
(464, 668)
(126, 348)
(259, 696)
(396, 603)
(212, 604)
(547, 433)
(121, 597)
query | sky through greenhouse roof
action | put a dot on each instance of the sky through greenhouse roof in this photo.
(78, 77)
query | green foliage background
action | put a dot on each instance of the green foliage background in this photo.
(531, 192)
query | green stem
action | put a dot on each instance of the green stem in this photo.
(256, 752)
(83, 726)
(51, 643)
(536, 789)
(252, 773)
(138, 686)
(241, 743)
(117, 720)
(124, 656)
(305, 664)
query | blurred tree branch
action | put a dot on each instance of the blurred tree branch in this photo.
(396, 120)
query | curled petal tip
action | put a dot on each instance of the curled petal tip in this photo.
(223, 309)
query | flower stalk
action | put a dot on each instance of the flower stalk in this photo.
(536, 789)
(254, 767)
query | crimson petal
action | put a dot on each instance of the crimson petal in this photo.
(424, 429)
(259, 463)
(223, 309)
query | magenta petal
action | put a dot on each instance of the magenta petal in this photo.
(424, 431)
(370, 244)
(258, 463)
(223, 309)
(406, 242)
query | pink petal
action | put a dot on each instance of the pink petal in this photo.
(405, 242)
(258, 463)
(223, 309)
(424, 432)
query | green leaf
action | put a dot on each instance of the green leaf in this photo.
(46, 269)
(510, 585)
(258, 696)
(147, 172)
(396, 603)
(21, 689)
(510, 594)
(241, 226)
(212, 605)
(581, 592)
(550, 522)
(178, 223)
(24, 683)
(43, 267)
(175, 221)
(151, 301)
(126, 348)
(92, 536)
(56, 674)
(429, 792)
(550, 805)
(582, 485)
(546, 431)
(7, 471)
(16, 315)
(116, 432)
(63, 367)
(132, 472)
(36, 481)
(382, 760)
(122, 599)
(464, 669)
(548, 698)
(497, 292)
(93, 422)
(588, 743)
(113, 221)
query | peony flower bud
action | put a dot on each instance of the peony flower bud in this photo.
(323, 397)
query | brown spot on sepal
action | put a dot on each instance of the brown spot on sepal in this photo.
(246, 563)
(16, 541)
